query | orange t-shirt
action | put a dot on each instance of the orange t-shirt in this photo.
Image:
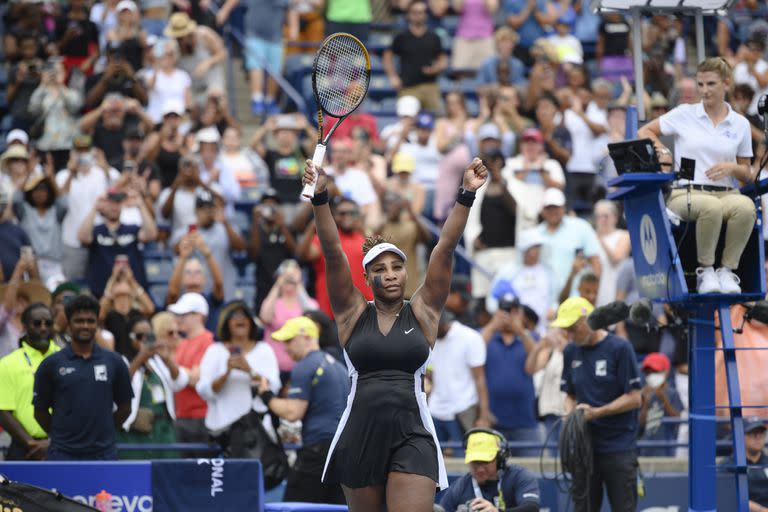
(189, 353)
(352, 245)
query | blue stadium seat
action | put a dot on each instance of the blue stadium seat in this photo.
(370, 106)
(250, 194)
(389, 105)
(248, 274)
(245, 292)
(379, 41)
(376, 63)
(158, 270)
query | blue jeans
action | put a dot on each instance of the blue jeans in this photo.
(449, 431)
(530, 434)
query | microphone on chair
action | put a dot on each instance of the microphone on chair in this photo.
(610, 314)
(641, 312)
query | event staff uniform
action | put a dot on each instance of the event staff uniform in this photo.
(17, 380)
(82, 393)
(386, 426)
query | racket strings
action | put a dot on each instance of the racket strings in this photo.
(342, 76)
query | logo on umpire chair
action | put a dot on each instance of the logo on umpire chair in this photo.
(648, 239)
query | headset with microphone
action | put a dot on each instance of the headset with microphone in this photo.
(502, 455)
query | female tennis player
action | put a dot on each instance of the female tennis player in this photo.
(385, 450)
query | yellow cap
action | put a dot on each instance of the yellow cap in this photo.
(571, 310)
(403, 162)
(300, 325)
(482, 447)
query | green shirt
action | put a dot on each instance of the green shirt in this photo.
(349, 11)
(17, 381)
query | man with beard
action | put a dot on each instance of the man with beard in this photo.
(81, 383)
(107, 241)
(17, 378)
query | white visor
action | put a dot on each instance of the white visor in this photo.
(376, 250)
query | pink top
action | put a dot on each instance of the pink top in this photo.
(283, 313)
(475, 22)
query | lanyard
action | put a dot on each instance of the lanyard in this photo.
(498, 501)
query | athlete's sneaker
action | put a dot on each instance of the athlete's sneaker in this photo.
(257, 107)
(707, 281)
(729, 282)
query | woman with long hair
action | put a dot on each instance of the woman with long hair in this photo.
(385, 451)
(720, 141)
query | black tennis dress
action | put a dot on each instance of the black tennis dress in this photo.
(386, 425)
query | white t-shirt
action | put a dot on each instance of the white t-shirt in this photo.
(234, 399)
(84, 189)
(452, 360)
(427, 162)
(166, 87)
(582, 140)
(533, 285)
(529, 191)
(356, 185)
(696, 138)
(741, 75)
(183, 213)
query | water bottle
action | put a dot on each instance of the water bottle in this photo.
(103, 501)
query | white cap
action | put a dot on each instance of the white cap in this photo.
(529, 238)
(377, 250)
(209, 134)
(127, 4)
(19, 135)
(553, 197)
(190, 303)
(408, 106)
(488, 131)
(173, 106)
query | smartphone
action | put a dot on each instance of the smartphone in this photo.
(192, 228)
(687, 169)
(121, 260)
(149, 339)
(234, 350)
(579, 253)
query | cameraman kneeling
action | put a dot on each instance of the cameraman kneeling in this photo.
(491, 485)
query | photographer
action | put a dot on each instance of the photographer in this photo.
(123, 300)
(491, 485)
(24, 78)
(118, 77)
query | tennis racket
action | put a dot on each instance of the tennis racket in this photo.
(341, 73)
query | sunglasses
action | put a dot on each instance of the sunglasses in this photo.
(39, 323)
(138, 335)
(172, 333)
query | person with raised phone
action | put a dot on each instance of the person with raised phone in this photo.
(385, 451)
(720, 141)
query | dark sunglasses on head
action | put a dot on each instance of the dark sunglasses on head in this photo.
(39, 323)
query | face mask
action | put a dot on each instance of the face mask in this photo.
(655, 380)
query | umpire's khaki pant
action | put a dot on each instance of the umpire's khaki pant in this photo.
(709, 210)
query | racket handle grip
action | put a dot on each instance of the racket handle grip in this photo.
(317, 159)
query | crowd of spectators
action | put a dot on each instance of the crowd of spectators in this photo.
(126, 175)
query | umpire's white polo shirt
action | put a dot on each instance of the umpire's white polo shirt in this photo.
(697, 138)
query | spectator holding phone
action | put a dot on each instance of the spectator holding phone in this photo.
(230, 372)
(22, 289)
(155, 378)
(118, 77)
(112, 238)
(123, 300)
(77, 37)
(23, 79)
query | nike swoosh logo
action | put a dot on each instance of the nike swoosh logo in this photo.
(409, 330)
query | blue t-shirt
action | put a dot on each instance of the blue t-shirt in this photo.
(757, 479)
(323, 382)
(81, 393)
(598, 375)
(106, 245)
(510, 390)
(518, 486)
(530, 30)
(264, 19)
(655, 430)
(13, 239)
(488, 72)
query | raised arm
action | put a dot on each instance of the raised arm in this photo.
(347, 301)
(429, 299)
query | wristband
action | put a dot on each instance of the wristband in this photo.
(320, 198)
(465, 197)
(266, 397)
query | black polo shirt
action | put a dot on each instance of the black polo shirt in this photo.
(81, 393)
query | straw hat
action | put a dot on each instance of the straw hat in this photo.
(34, 290)
(179, 25)
(14, 151)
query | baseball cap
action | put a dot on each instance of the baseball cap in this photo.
(126, 4)
(553, 197)
(286, 122)
(567, 18)
(407, 106)
(425, 120)
(753, 423)
(210, 135)
(403, 162)
(270, 193)
(532, 134)
(173, 106)
(571, 311)
(17, 135)
(300, 325)
(488, 131)
(657, 362)
(529, 238)
(461, 284)
(190, 303)
(481, 447)
(203, 199)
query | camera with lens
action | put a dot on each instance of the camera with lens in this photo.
(508, 302)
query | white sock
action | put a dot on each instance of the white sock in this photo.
(708, 268)
(257, 96)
